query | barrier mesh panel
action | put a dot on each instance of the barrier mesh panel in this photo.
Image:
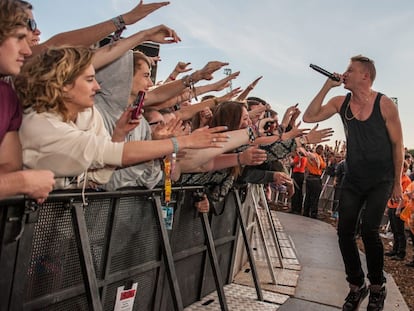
(189, 276)
(54, 262)
(224, 225)
(77, 303)
(188, 231)
(144, 298)
(97, 222)
(136, 236)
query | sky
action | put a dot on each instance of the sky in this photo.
(276, 39)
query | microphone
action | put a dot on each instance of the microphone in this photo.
(324, 72)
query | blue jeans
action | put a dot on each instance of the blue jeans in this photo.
(364, 206)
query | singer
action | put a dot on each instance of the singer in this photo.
(373, 174)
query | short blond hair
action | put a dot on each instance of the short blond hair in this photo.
(368, 64)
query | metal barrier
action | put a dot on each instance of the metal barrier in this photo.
(66, 256)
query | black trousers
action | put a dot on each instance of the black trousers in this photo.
(313, 191)
(397, 228)
(374, 199)
(297, 198)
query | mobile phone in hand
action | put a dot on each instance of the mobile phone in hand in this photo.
(137, 105)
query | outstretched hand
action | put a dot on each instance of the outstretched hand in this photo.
(295, 131)
(141, 11)
(316, 136)
(243, 95)
(205, 137)
(281, 178)
(161, 34)
(182, 67)
(229, 96)
(206, 73)
(253, 156)
(290, 115)
(170, 129)
(225, 82)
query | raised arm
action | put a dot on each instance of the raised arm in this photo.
(181, 67)
(200, 139)
(187, 112)
(158, 34)
(316, 111)
(243, 95)
(166, 91)
(216, 86)
(88, 36)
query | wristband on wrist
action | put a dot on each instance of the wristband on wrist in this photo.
(120, 27)
(250, 132)
(189, 82)
(175, 144)
(171, 78)
(119, 23)
(186, 81)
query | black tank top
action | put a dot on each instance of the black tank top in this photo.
(369, 151)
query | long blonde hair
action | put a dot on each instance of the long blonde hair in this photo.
(41, 82)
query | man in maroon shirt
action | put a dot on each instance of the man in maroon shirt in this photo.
(14, 48)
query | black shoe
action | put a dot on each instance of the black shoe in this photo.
(355, 297)
(377, 294)
(410, 264)
(390, 253)
(398, 257)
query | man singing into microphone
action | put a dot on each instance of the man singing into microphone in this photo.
(374, 160)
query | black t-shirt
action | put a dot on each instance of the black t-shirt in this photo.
(369, 151)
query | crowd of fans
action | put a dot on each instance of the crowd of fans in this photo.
(74, 123)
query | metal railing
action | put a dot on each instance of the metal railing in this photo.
(63, 255)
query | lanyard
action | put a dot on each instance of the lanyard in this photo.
(169, 166)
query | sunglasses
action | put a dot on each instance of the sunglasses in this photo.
(31, 24)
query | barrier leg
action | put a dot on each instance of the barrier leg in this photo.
(168, 259)
(248, 248)
(84, 249)
(271, 225)
(263, 239)
(218, 279)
